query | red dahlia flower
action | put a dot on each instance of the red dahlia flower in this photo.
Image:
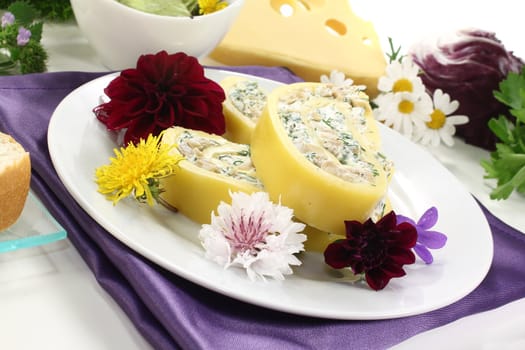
(162, 91)
(379, 250)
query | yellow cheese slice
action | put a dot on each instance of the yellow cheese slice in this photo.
(310, 37)
(212, 167)
(315, 149)
(318, 240)
(242, 107)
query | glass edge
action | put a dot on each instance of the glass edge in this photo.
(36, 240)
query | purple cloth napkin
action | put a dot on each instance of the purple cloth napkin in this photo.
(171, 312)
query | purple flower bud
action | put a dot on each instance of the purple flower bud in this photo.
(23, 36)
(7, 19)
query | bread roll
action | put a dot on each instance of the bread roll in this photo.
(15, 176)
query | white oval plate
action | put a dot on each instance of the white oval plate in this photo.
(79, 143)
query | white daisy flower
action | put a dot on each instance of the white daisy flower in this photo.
(403, 111)
(401, 77)
(441, 126)
(255, 234)
(336, 78)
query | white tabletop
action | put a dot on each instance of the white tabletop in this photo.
(49, 299)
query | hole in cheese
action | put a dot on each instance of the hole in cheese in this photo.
(335, 27)
(366, 41)
(285, 8)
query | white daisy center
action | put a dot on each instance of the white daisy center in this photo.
(403, 85)
(405, 106)
(437, 119)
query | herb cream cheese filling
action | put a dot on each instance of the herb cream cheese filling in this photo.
(332, 133)
(245, 101)
(211, 168)
(316, 148)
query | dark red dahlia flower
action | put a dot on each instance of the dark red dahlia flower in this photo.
(379, 250)
(162, 91)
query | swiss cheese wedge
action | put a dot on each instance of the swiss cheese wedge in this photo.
(212, 167)
(316, 148)
(310, 37)
(242, 107)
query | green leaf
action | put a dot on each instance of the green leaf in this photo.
(500, 128)
(54, 10)
(36, 31)
(32, 58)
(507, 162)
(519, 178)
(24, 12)
(519, 114)
(502, 191)
(511, 90)
(515, 159)
(521, 188)
(503, 149)
(15, 53)
(519, 137)
(490, 171)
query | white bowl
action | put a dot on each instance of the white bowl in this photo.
(120, 34)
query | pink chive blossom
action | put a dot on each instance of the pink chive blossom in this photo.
(7, 19)
(426, 238)
(23, 36)
(255, 234)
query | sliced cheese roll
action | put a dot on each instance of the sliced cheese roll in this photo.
(212, 167)
(318, 240)
(316, 147)
(242, 108)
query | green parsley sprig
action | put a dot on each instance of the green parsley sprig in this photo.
(20, 35)
(507, 162)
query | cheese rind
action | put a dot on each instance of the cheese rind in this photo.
(211, 169)
(316, 39)
(338, 183)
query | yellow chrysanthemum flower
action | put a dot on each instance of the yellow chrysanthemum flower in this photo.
(210, 6)
(136, 169)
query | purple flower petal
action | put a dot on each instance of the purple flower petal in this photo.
(426, 239)
(428, 219)
(23, 36)
(424, 253)
(7, 19)
(432, 239)
(402, 218)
